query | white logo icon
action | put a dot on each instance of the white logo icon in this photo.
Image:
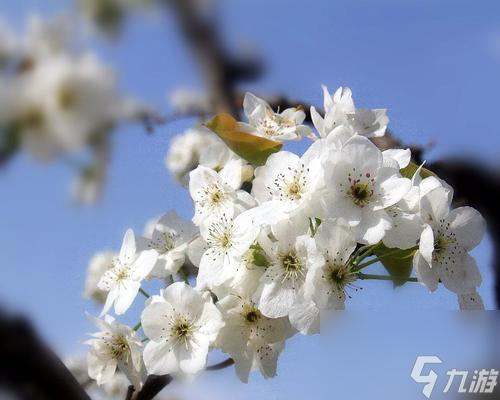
(430, 379)
(483, 381)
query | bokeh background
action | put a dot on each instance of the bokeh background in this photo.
(435, 65)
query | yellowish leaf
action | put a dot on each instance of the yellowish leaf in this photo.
(254, 149)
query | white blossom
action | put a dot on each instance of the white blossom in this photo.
(340, 111)
(64, 100)
(226, 242)
(445, 242)
(361, 187)
(327, 283)
(169, 240)
(114, 346)
(292, 256)
(253, 340)
(123, 280)
(288, 183)
(181, 326)
(263, 121)
(217, 193)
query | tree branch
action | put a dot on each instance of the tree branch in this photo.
(221, 365)
(154, 384)
(29, 369)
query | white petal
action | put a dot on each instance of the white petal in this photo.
(127, 252)
(193, 358)
(318, 121)
(468, 225)
(126, 295)
(392, 189)
(425, 274)
(401, 156)
(243, 366)
(110, 299)
(405, 231)
(268, 358)
(304, 316)
(276, 295)
(251, 103)
(372, 227)
(160, 358)
(155, 319)
(471, 301)
(461, 275)
(231, 173)
(196, 248)
(144, 264)
(337, 238)
(363, 154)
(185, 298)
(426, 246)
(436, 204)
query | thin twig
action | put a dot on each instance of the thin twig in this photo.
(221, 365)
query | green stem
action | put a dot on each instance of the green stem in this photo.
(359, 267)
(136, 328)
(144, 293)
(183, 276)
(366, 251)
(385, 278)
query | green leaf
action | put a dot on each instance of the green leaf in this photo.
(399, 263)
(254, 149)
(410, 170)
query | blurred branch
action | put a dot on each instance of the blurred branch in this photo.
(29, 369)
(220, 71)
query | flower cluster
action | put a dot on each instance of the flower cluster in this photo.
(277, 244)
(56, 100)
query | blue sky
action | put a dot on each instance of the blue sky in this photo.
(433, 64)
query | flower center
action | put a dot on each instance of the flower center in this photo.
(166, 242)
(339, 276)
(361, 193)
(212, 195)
(182, 329)
(225, 240)
(291, 185)
(216, 196)
(118, 347)
(251, 314)
(272, 124)
(360, 188)
(66, 98)
(121, 273)
(292, 265)
(221, 235)
(294, 190)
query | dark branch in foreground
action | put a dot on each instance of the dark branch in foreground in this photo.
(154, 384)
(29, 369)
